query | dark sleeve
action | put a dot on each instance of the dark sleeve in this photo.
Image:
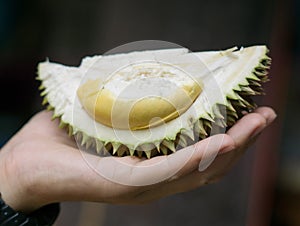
(44, 216)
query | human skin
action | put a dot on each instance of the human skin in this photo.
(40, 164)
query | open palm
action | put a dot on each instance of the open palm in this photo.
(42, 165)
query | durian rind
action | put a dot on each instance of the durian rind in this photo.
(249, 70)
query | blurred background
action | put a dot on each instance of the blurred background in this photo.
(262, 189)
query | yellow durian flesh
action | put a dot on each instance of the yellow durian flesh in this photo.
(138, 111)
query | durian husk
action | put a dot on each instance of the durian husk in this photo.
(225, 116)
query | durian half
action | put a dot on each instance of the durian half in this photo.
(148, 103)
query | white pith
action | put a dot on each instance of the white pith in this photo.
(146, 79)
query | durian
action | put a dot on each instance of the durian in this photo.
(149, 103)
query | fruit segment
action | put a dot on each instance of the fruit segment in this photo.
(154, 102)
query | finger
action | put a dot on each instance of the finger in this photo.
(188, 161)
(246, 128)
(205, 152)
(267, 112)
(242, 133)
(249, 126)
(194, 180)
(158, 169)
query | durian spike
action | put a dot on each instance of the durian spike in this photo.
(164, 150)
(45, 101)
(62, 124)
(248, 90)
(157, 145)
(115, 147)
(254, 83)
(241, 102)
(220, 122)
(41, 87)
(257, 89)
(189, 133)
(208, 117)
(169, 144)
(202, 136)
(182, 141)
(263, 66)
(121, 152)
(148, 154)
(55, 116)
(70, 130)
(229, 106)
(264, 79)
(84, 139)
(99, 146)
(268, 62)
(248, 102)
(131, 151)
(230, 120)
(232, 95)
(89, 143)
(44, 92)
(78, 136)
(217, 111)
(75, 130)
(199, 128)
(207, 124)
(260, 73)
(255, 77)
(232, 115)
(50, 108)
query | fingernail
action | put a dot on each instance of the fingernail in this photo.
(271, 118)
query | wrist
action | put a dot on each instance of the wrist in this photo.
(17, 189)
(19, 204)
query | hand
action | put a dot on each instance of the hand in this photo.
(42, 165)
